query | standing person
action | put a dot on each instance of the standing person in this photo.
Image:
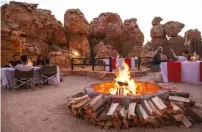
(185, 55)
(158, 57)
(24, 64)
(15, 61)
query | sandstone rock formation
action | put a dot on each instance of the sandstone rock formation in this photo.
(157, 31)
(133, 37)
(11, 41)
(194, 35)
(60, 58)
(108, 27)
(172, 28)
(40, 27)
(160, 32)
(76, 27)
(156, 21)
(103, 50)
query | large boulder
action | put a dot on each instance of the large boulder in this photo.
(172, 28)
(40, 27)
(136, 52)
(133, 36)
(156, 21)
(99, 26)
(11, 41)
(157, 31)
(177, 44)
(76, 27)
(103, 50)
(108, 27)
(194, 36)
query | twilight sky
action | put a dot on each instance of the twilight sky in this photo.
(185, 11)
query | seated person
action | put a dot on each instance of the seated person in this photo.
(158, 57)
(15, 61)
(40, 60)
(185, 55)
(24, 64)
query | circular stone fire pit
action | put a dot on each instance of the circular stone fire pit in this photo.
(125, 103)
(144, 90)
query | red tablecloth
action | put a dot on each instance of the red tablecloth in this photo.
(128, 61)
(174, 71)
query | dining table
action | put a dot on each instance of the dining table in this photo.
(7, 77)
(186, 71)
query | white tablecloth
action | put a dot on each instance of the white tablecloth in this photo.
(7, 76)
(190, 72)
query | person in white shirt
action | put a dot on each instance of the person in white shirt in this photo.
(185, 55)
(24, 64)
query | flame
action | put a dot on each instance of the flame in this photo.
(30, 62)
(123, 75)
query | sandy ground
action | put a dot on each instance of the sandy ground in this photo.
(44, 110)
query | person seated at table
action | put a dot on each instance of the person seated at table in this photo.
(15, 61)
(40, 60)
(185, 55)
(158, 57)
(24, 64)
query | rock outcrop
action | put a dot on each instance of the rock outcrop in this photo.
(156, 21)
(11, 41)
(194, 36)
(76, 27)
(109, 28)
(160, 32)
(172, 28)
(134, 37)
(103, 50)
(40, 27)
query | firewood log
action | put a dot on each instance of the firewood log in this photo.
(77, 100)
(112, 110)
(80, 94)
(99, 111)
(159, 104)
(157, 113)
(98, 105)
(186, 122)
(176, 109)
(139, 116)
(145, 115)
(181, 94)
(178, 98)
(80, 104)
(103, 115)
(131, 111)
(178, 117)
(148, 107)
(125, 121)
(95, 100)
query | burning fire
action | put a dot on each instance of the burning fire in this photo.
(124, 84)
(30, 62)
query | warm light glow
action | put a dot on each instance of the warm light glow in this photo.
(195, 56)
(30, 62)
(123, 75)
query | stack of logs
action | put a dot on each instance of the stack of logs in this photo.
(154, 111)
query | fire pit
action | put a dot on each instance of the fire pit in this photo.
(124, 86)
(125, 103)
